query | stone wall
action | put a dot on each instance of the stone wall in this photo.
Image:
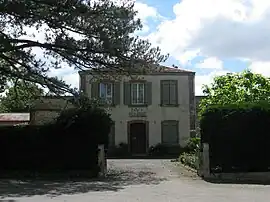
(248, 177)
(48, 108)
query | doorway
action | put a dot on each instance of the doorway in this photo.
(138, 137)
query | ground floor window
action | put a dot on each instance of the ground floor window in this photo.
(170, 132)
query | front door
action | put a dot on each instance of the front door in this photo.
(137, 138)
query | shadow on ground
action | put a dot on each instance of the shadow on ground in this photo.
(115, 180)
(237, 181)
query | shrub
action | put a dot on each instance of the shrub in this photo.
(120, 150)
(68, 144)
(164, 150)
(193, 145)
(190, 159)
(237, 136)
(90, 120)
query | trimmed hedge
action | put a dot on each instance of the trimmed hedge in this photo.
(70, 143)
(238, 137)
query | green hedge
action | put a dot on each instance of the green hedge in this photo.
(238, 137)
(165, 150)
(68, 144)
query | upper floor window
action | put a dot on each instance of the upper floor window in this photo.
(137, 93)
(106, 92)
(169, 92)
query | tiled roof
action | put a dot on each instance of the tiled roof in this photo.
(14, 117)
(160, 68)
(174, 69)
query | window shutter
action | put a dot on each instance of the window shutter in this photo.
(127, 93)
(164, 129)
(95, 90)
(116, 93)
(170, 134)
(165, 92)
(83, 83)
(174, 92)
(148, 93)
(174, 134)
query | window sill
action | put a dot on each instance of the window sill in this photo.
(107, 105)
(140, 105)
(169, 105)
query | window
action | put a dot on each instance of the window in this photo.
(106, 92)
(169, 92)
(137, 93)
(170, 134)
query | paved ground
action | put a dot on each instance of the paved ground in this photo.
(135, 180)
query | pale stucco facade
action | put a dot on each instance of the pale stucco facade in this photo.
(184, 113)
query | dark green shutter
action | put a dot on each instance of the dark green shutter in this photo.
(83, 83)
(127, 93)
(95, 90)
(174, 92)
(116, 93)
(170, 132)
(165, 92)
(148, 93)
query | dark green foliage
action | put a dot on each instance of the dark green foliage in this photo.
(92, 120)
(119, 151)
(20, 97)
(193, 145)
(164, 150)
(243, 87)
(238, 137)
(69, 144)
(86, 34)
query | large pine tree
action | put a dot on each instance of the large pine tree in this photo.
(86, 34)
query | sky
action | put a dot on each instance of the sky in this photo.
(210, 37)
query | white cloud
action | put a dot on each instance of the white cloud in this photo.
(146, 12)
(260, 68)
(216, 28)
(210, 63)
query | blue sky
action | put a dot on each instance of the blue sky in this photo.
(210, 37)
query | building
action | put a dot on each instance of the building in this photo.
(11, 119)
(48, 108)
(158, 107)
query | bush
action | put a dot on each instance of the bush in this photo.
(68, 144)
(237, 136)
(193, 145)
(90, 120)
(120, 151)
(164, 150)
(190, 159)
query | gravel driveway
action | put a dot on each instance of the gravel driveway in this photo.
(135, 180)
